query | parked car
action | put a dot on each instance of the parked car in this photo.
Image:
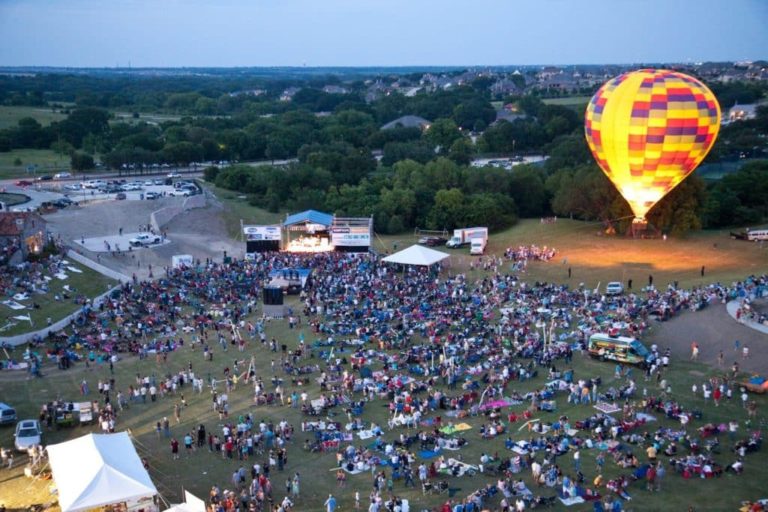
(23, 183)
(28, 434)
(7, 414)
(151, 195)
(120, 196)
(144, 240)
(614, 288)
(73, 187)
(432, 241)
(94, 184)
(62, 202)
(158, 182)
(183, 192)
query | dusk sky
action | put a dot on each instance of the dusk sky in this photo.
(222, 33)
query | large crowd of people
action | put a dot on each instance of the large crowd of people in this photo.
(435, 348)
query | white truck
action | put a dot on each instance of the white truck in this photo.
(477, 245)
(465, 235)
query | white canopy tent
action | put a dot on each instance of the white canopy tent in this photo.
(98, 469)
(417, 255)
(191, 504)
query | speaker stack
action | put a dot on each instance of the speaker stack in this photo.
(273, 303)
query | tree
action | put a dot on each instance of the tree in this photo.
(81, 161)
(449, 209)
(442, 133)
(461, 151)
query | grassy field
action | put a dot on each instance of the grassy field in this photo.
(10, 116)
(237, 208)
(202, 469)
(571, 101)
(592, 258)
(46, 160)
(88, 283)
(12, 199)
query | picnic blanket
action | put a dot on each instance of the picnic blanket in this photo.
(573, 500)
(75, 270)
(498, 404)
(452, 429)
(607, 408)
(645, 417)
(354, 471)
(429, 454)
(365, 434)
(61, 275)
(13, 304)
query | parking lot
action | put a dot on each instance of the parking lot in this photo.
(200, 232)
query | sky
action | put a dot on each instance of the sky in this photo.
(226, 33)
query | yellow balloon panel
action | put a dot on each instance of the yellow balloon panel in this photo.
(648, 130)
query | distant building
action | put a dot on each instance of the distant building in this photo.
(335, 89)
(742, 112)
(407, 122)
(289, 93)
(21, 234)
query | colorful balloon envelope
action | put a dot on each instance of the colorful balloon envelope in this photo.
(648, 130)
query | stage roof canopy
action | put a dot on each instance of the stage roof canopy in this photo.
(417, 255)
(311, 216)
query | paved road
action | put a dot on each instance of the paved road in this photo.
(714, 330)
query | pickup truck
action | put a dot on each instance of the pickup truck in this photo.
(144, 240)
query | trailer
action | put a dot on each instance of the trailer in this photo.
(465, 236)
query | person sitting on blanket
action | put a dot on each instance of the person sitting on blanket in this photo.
(618, 486)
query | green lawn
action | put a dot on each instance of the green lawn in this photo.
(571, 101)
(593, 258)
(9, 115)
(12, 199)
(202, 469)
(46, 160)
(237, 208)
(89, 283)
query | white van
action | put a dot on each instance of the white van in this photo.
(755, 235)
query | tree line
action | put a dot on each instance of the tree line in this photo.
(405, 176)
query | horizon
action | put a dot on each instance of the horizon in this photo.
(134, 34)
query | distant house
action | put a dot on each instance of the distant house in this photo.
(21, 234)
(504, 87)
(335, 89)
(407, 122)
(508, 116)
(742, 112)
(289, 93)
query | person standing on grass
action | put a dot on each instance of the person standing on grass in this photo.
(174, 448)
(177, 413)
(330, 504)
(188, 443)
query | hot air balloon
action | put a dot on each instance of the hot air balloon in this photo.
(648, 130)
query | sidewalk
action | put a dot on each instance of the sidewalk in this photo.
(733, 306)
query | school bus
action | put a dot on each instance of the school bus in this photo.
(621, 349)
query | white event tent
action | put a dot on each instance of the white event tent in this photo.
(97, 470)
(417, 255)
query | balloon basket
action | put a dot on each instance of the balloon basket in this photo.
(641, 228)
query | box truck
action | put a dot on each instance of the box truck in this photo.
(464, 236)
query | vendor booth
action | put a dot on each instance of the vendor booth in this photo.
(100, 471)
